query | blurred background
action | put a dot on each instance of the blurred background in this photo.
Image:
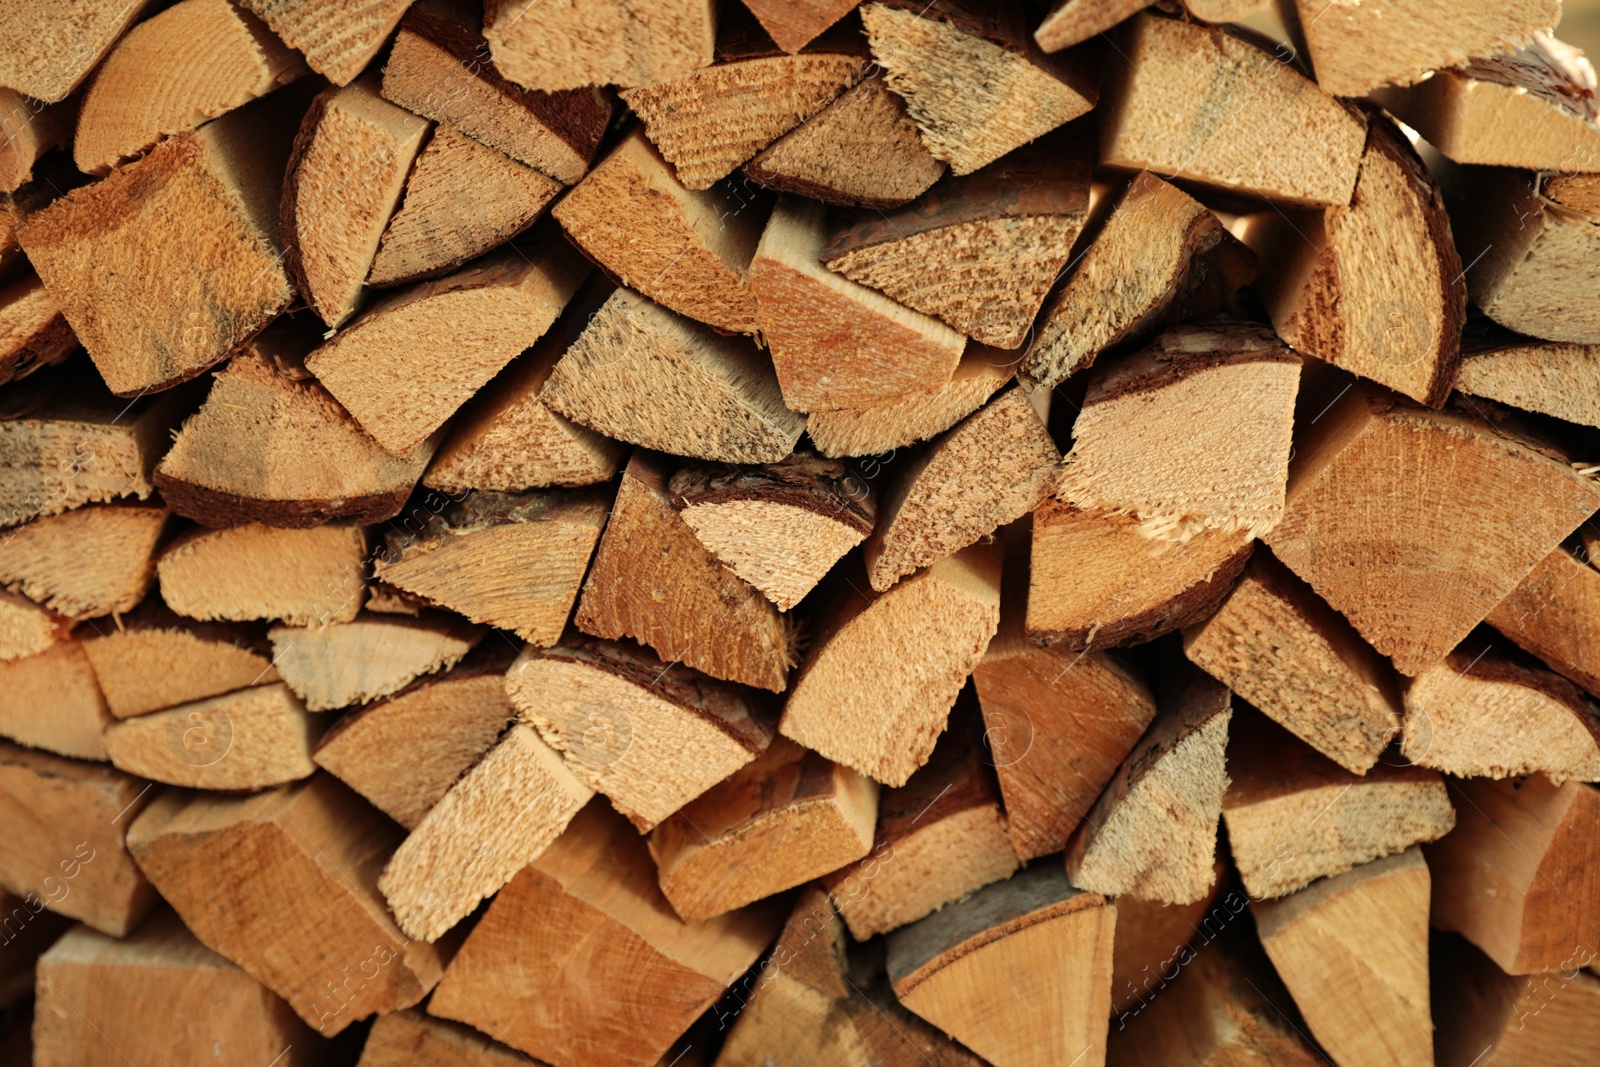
(1580, 25)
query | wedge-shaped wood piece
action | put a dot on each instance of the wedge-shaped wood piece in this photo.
(977, 970)
(503, 812)
(461, 200)
(995, 466)
(1152, 938)
(370, 657)
(338, 40)
(172, 72)
(885, 669)
(894, 424)
(1295, 816)
(617, 42)
(31, 128)
(836, 343)
(33, 332)
(512, 561)
(405, 366)
(234, 867)
(26, 628)
(1554, 614)
(1277, 645)
(648, 735)
(96, 996)
(706, 616)
(95, 560)
(248, 739)
(974, 81)
(622, 975)
(642, 374)
(1580, 192)
(65, 821)
(1497, 1020)
(345, 176)
(1193, 101)
(793, 25)
(1518, 877)
(1414, 524)
(154, 310)
(439, 67)
(402, 753)
(1353, 950)
(411, 1039)
(1548, 377)
(780, 527)
(1072, 22)
(1232, 387)
(52, 701)
(49, 48)
(1097, 581)
(152, 659)
(862, 150)
(302, 577)
(1153, 832)
(688, 250)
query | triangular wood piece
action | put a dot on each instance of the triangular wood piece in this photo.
(27, 629)
(1493, 1019)
(370, 657)
(792, 24)
(337, 40)
(45, 56)
(1548, 377)
(32, 129)
(1072, 22)
(602, 44)
(1555, 614)
(51, 701)
(33, 332)
(411, 1039)
(96, 560)
(302, 577)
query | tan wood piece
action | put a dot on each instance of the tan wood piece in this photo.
(28, 129)
(51, 701)
(411, 1039)
(1580, 192)
(26, 628)
(1496, 1020)
(1548, 377)
(1154, 941)
(369, 657)
(1553, 614)
(307, 577)
(793, 24)
(248, 739)
(618, 42)
(1072, 22)
(93, 560)
(33, 332)
(48, 48)
(338, 40)
(1223, 10)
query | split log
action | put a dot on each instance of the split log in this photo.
(345, 176)
(232, 866)
(622, 976)
(1520, 876)
(1375, 480)
(976, 970)
(648, 735)
(338, 41)
(1232, 388)
(614, 42)
(1554, 613)
(510, 561)
(706, 616)
(404, 752)
(302, 577)
(1353, 950)
(1580, 192)
(785, 818)
(793, 25)
(411, 1039)
(836, 343)
(1153, 938)
(498, 818)
(1276, 644)
(1295, 816)
(31, 128)
(1223, 10)
(1072, 22)
(862, 150)
(33, 332)
(1547, 377)
(1153, 831)
(189, 63)
(885, 669)
(439, 68)
(47, 49)
(26, 628)
(1193, 101)
(974, 81)
(51, 701)
(385, 598)
(64, 849)
(370, 657)
(1493, 1019)
(94, 560)
(461, 200)
(642, 374)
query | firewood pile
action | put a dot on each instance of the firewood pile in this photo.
(793, 533)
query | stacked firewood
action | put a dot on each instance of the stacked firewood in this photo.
(797, 532)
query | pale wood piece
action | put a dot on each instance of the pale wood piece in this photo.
(617, 42)
(1295, 816)
(705, 616)
(687, 249)
(65, 822)
(1194, 101)
(1518, 877)
(237, 869)
(370, 657)
(439, 67)
(793, 24)
(884, 669)
(404, 752)
(302, 577)
(1554, 614)
(509, 561)
(1224, 10)
(47, 49)
(1277, 645)
(346, 173)
(33, 332)
(27, 629)
(1375, 478)
(1492, 1019)
(977, 970)
(1153, 938)
(974, 81)
(621, 975)
(1580, 192)
(649, 736)
(861, 150)
(338, 40)
(171, 73)
(51, 701)
(461, 200)
(1551, 378)
(382, 597)
(1355, 48)
(1353, 950)
(1072, 22)
(405, 366)
(780, 527)
(411, 1039)
(498, 818)
(26, 931)
(642, 374)
(94, 560)
(154, 311)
